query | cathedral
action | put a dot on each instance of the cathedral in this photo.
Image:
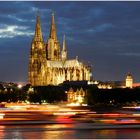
(49, 64)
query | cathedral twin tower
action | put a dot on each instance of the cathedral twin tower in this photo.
(48, 65)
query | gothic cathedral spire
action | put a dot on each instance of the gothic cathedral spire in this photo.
(38, 32)
(37, 57)
(53, 46)
(64, 50)
(49, 66)
(53, 29)
(64, 44)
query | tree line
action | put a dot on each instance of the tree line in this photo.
(55, 94)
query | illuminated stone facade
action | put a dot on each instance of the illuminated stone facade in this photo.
(129, 81)
(48, 65)
(77, 96)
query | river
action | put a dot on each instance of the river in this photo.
(64, 131)
(58, 122)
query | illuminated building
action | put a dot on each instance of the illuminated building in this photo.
(48, 65)
(104, 86)
(77, 96)
(129, 81)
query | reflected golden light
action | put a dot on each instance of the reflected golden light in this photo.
(57, 134)
(2, 115)
(136, 114)
(2, 131)
(73, 104)
(108, 121)
(65, 109)
(107, 132)
(64, 113)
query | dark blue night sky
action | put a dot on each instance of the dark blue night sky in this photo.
(107, 34)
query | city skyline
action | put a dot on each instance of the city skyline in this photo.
(95, 31)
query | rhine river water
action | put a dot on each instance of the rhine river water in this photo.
(60, 122)
(64, 131)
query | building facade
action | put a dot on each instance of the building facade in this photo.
(129, 81)
(48, 64)
(76, 96)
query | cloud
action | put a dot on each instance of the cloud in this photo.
(94, 30)
(130, 54)
(100, 28)
(19, 19)
(10, 31)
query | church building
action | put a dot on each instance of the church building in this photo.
(49, 64)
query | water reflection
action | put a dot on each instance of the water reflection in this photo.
(106, 133)
(56, 134)
(15, 134)
(2, 129)
(58, 126)
(63, 131)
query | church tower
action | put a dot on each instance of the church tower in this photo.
(64, 50)
(37, 56)
(49, 66)
(53, 46)
(129, 81)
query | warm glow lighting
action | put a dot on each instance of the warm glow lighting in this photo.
(2, 115)
(65, 109)
(52, 107)
(136, 114)
(64, 113)
(18, 107)
(73, 104)
(19, 86)
(80, 99)
(108, 121)
(112, 114)
(84, 105)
